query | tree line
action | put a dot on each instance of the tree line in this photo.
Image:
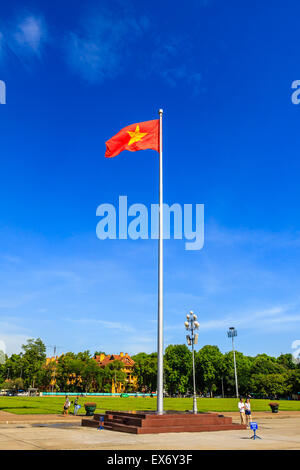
(259, 376)
(70, 373)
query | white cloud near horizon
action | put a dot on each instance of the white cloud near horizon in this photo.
(13, 343)
(104, 323)
(250, 320)
(12, 335)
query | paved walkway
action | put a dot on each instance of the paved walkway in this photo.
(10, 418)
(264, 414)
(29, 432)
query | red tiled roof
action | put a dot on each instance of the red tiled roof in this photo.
(116, 357)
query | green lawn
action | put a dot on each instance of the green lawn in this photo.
(54, 405)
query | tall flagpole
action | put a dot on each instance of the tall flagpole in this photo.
(160, 348)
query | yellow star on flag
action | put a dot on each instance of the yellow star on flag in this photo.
(136, 135)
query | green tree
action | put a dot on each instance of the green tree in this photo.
(69, 373)
(114, 374)
(32, 361)
(84, 356)
(98, 353)
(13, 366)
(92, 376)
(270, 384)
(264, 364)
(178, 368)
(243, 367)
(18, 383)
(145, 369)
(209, 369)
(293, 381)
(8, 385)
(48, 373)
(287, 361)
(13, 384)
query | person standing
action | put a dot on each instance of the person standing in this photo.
(76, 406)
(67, 405)
(241, 406)
(248, 412)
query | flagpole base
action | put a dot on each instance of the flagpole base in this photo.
(195, 411)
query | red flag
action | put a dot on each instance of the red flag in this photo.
(140, 136)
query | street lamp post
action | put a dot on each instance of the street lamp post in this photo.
(231, 333)
(191, 325)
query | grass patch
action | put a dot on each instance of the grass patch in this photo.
(54, 405)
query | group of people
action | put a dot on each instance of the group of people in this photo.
(67, 405)
(245, 411)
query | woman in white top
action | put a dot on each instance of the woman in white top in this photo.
(248, 411)
(67, 405)
(241, 406)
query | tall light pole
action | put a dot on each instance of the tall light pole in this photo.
(191, 325)
(231, 333)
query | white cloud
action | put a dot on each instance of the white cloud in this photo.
(108, 43)
(172, 59)
(12, 336)
(12, 343)
(30, 34)
(7, 257)
(16, 301)
(1, 45)
(104, 324)
(103, 46)
(109, 303)
(23, 37)
(250, 319)
(2, 346)
(105, 43)
(225, 237)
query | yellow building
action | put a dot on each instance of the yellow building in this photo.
(103, 361)
(128, 365)
(49, 360)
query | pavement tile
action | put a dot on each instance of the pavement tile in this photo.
(277, 433)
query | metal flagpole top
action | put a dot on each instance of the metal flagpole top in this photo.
(160, 111)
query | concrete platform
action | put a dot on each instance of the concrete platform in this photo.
(149, 422)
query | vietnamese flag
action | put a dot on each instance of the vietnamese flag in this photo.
(140, 136)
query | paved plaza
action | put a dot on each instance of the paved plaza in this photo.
(37, 432)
